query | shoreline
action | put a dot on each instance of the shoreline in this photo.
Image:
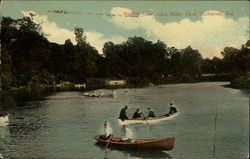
(19, 96)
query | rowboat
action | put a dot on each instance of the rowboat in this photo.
(98, 95)
(95, 96)
(148, 120)
(166, 144)
(4, 121)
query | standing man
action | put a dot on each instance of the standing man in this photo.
(123, 115)
(107, 132)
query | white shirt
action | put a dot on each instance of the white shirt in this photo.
(108, 130)
(128, 134)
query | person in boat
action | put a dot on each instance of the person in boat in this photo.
(128, 134)
(108, 132)
(172, 109)
(100, 94)
(93, 94)
(123, 115)
(137, 114)
(151, 113)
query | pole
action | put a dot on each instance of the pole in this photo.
(215, 125)
(107, 145)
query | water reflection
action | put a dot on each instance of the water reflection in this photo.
(4, 140)
(134, 153)
(4, 132)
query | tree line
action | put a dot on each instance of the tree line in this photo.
(28, 58)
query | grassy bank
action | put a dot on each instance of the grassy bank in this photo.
(242, 82)
(18, 96)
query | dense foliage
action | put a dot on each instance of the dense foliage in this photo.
(28, 58)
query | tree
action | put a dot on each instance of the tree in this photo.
(238, 60)
(136, 57)
(231, 58)
(57, 63)
(79, 36)
(27, 47)
(6, 69)
(190, 62)
(85, 59)
(70, 55)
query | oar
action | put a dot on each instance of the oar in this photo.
(107, 145)
(144, 118)
(109, 142)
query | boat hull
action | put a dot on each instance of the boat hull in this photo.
(166, 144)
(148, 120)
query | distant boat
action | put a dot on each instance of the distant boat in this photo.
(126, 90)
(166, 144)
(148, 120)
(92, 94)
(98, 94)
(4, 120)
(88, 95)
(150, 84)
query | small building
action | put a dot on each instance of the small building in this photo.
(116, 82)
(80, 86)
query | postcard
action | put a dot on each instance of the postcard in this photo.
(124, 79)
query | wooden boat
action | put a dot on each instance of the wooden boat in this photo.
(94, 96)
(4, 120)
(156, 119)
(100, 96)
(166, 144)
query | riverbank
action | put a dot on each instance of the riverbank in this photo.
(18, 96)
(242, 82)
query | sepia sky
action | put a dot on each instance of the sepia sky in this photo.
(208, 26)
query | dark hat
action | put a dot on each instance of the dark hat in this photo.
(126, 106)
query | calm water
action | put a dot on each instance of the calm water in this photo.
(63, 125)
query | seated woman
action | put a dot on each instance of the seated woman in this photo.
(137, 114)
(128, 134)
(151, 113)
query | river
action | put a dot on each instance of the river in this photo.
(213, 123)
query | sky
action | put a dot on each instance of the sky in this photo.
(208, 26)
